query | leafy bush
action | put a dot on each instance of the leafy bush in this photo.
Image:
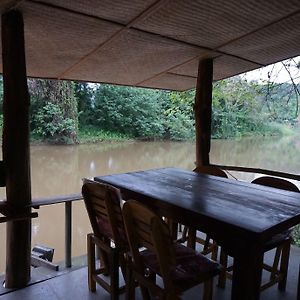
(131, 111)
(51, 124)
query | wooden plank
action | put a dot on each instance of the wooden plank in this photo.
(18, 217)
(16, 148)
(36, 202)
(39, 262)
(258, 170)
(202, 110)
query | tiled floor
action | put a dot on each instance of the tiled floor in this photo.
(73, 286)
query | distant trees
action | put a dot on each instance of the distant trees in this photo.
(61, 111)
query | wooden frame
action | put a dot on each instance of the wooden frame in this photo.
(103, 204)
(147, 230)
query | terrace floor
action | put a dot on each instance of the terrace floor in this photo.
(73, 285)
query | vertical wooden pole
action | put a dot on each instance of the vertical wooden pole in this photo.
(68, 234)
(202, 109)
(16, 148)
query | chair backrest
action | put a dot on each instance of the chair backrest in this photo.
(103, 204)
(211, 170)
(145, 229)
(276, 183)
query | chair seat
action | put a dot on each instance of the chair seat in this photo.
(191, 267)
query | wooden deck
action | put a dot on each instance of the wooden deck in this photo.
(73, 285)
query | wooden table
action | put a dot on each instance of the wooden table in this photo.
(240, 216)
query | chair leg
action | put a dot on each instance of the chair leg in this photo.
(214, 252)
(145, 293)
(208, 290)
(114, 275)
(130, 284)
(284, 265)
(224, 263)
(275, 264)
(191, 238)
(179, 227)
(91, 262)
(184, 233)
(104, 257)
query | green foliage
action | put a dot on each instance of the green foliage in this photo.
(54, 110)
(238, 110)
(84, 96)
(280, 102)
(52, 125)
(296, 235)
(131, 111)
(179, 115)
(1, 95)
(90, 134)
(102, 112)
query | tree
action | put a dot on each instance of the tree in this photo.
(84, 96)
(54, 110)
(133, 111)
(179, 115)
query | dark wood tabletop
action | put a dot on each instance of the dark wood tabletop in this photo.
(239, 206)
(240, 216)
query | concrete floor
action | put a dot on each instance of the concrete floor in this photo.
(73, 286)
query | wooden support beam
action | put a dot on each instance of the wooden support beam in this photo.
(202, 110)
(16, 149)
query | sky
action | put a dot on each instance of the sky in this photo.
(278, 72)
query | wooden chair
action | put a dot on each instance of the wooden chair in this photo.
(189, 234)
(179, 267)
(282, 243)
(103, 204)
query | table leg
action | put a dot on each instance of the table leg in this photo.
(173, 228)
(247, 271)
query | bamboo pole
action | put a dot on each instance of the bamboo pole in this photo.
(202, 110)
(16, 148)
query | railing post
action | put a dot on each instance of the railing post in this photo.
(68, 234)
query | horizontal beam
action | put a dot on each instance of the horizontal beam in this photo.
(258, 170)
(18, 217)
(36, 202)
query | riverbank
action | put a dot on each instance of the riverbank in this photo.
(92, 135)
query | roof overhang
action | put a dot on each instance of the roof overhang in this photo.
(154, 44)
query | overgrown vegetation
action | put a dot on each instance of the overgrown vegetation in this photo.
(72, 112)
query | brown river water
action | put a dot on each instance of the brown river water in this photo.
(58, 170)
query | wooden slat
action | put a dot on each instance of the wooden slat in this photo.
(258, 170)
(55, 200)
(18, 217)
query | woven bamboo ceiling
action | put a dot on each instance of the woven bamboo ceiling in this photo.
(155, 43)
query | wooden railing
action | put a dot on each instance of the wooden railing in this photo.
(259, 171)
(67, 200)
(8, 214)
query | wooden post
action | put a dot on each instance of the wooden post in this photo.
(202, 110)
(16, 148)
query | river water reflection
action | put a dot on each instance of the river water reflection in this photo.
(58, 170)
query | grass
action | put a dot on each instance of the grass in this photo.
(94, 135)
